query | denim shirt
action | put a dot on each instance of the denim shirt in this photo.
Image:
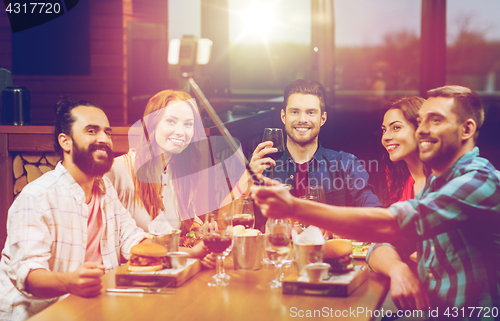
(341, 174)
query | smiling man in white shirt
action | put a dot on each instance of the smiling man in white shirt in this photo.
(68, 227)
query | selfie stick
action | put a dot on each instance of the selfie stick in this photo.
(215, 118)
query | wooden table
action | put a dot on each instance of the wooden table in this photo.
(247, 297)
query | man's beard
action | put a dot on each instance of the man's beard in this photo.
(304, 142)
(85, 161)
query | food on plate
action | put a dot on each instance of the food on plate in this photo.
(338, 253)
(239, 230)
(251, 232)
(189, 239)
(148, 257)
(360, 248)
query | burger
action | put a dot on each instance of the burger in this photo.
(338, 253)
(147, 257)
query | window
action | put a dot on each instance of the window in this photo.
(184, 18)
(473, 44)
(269, 44)
(377, 46)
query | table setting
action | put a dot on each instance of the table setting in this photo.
(250, 286)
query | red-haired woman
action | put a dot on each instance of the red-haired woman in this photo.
(155, 181)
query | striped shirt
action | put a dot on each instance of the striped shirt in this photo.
(47, 229)
(455, 223)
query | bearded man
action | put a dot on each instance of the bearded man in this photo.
(68, 227)
(305, 162)
(452, 223)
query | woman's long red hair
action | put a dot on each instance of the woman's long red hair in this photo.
(148, 188)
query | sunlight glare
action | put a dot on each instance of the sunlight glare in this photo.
(259, 19)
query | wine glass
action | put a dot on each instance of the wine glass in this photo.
(223, 273)
(317, 192)
(243, 212)
(218, 236)
(278, 246)
(276, 136)
(314, 193)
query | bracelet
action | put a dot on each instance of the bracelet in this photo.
(238, 188)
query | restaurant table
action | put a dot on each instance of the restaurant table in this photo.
(247, 297)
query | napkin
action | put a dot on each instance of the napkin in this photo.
(312, 235)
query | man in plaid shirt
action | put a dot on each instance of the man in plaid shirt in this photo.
(453, 222)
(68, 227)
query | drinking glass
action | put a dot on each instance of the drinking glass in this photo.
(278, 246)
(243, 212)
(223, 273)
(314, 193)
(317, 192)
(218, 236)
(276, 136)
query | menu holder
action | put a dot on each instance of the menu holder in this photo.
(338, 285)
(170, 278)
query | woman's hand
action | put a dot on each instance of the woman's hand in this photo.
(198, 251)
(201, 251)
(209, 261)
(198, 231)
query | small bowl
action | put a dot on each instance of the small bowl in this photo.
(317, 271)
(178, 260)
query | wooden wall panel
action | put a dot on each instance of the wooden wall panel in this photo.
(106, 61)
(100, 33)
(107, 46)
(62, 84)
(100, 7)
(104, 85)
(104, 21)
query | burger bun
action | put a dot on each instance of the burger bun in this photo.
(149, 249)
(149, 268)
(337, 248)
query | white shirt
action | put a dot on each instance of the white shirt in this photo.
(121, 177)
(47, 229)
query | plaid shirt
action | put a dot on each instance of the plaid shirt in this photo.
(455, 223)
(342, 175)
(47, 229)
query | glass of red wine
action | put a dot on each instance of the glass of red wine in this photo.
(278, 246)
(243, 212)
(218, 236)
(274, 135)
